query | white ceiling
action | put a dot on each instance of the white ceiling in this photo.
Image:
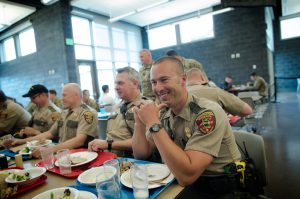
(10, 13)
(166, 10)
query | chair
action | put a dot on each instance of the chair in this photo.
(256, 149)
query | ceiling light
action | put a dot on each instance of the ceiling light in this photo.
(114, 19)
(48, 2)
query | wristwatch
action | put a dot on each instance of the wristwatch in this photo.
(155, 128)
(109, 144)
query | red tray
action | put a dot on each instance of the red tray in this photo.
(23, 188)
(76, 171)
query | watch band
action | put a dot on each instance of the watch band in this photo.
(109, 144)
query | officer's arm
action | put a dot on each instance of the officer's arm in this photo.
(186, 166)
(42, 136)
(71, 143)
(142, 146)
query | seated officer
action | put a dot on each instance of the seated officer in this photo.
(197, 86)
(88, 101)
(57, 101)
(45, 114)
(193, 135)
(76, 126)
(259, 85)
(120, 127)
(13, 117)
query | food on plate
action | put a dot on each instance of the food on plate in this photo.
(66, 195)
(77, 160)
(124, 166)
(5, 190)
(20, 176)
(40, 143)
(25, 150)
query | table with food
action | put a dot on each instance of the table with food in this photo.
(91, 175)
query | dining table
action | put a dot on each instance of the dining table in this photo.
(55, 181)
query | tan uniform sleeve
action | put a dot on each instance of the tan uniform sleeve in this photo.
(230, 103)
(209, 142)
(88, 124)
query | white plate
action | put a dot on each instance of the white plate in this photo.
(38, 143)
(126, 181)
(86, 195)
(157, 171)
(34, 174)
(89, 176)
(58, 192)
(88, 155)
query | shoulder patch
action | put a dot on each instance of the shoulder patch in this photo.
(51, 109)
(206, 121)
(88, 116)
(55, 116)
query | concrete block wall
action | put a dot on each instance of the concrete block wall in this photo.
(240, 31)
(51, 25)
(287, 61)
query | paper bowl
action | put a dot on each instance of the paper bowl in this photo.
(89, 176)
(58, 192)
(34, 173)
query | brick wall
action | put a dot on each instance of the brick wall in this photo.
(51, 25)
(240, 31)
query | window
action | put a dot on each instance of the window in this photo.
(27, 42)
(196, 28)
(290, 28)
(118, 38)
(9, 49)
(101, 35)
(162, 37)
(83, 52)
(81, 31)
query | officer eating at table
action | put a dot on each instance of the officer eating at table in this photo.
(192, 135)
(76, 126)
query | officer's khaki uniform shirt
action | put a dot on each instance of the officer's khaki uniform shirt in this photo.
(59, 103)
(260, 85)
(191, 63)
(229, 102)
(43, 118)
(207, 131)
(13, 117)
(116, 126)
(80, 120)
(146, 84)
(92, 103)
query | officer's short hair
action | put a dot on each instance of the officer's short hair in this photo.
(178, 64)
(253, 74)
(52, 91)
(172, 53)
(3, 97)
(132, 73)
(105, 88)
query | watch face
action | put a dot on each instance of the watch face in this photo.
(155, 127)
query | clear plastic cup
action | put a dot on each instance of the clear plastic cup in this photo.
(47, 157)
(139, 179)
(64, 161)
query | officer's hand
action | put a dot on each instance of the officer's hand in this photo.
(97, 145)
(148, 113)
(28, 131)
(36, 153)
(17, 142)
